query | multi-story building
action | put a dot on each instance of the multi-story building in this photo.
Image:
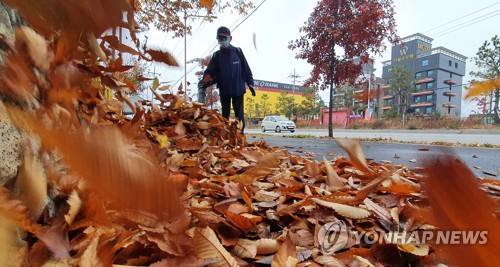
(438, 76)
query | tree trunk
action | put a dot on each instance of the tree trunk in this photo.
(496, 117)
(330, 109)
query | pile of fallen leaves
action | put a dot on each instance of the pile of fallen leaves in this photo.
(177, 184)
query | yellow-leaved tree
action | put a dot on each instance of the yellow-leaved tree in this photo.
(488, 61)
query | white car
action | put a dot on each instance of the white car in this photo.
(277, 124)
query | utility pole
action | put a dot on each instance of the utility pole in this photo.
(154, 75)
(369, 86)
(294, 76)
(185, 55)
(186, 15)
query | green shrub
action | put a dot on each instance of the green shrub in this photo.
(390, 114)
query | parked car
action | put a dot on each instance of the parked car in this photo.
(277, 123)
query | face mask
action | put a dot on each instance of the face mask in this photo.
(224, 44)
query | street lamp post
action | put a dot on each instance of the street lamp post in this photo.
(185, 46)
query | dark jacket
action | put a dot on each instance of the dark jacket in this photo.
(229, 69)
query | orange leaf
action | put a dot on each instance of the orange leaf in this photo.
(207, 3)
(131, 178)
(240, 221)
(482, 88)
(164, 57)
(458, 203)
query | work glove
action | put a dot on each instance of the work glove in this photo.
(251, 90)
(205, 82)
(201, 85)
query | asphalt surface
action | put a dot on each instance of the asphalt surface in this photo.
(484, 162)
(471, 137)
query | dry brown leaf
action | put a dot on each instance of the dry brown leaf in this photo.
(12, 251)
(75, 203)
(327, 260)
(313, 168)
(180, 128)
(286, 255)
(56, 240)
(207, 246)
(459, 204)
(163, 57)
(353, 148)
(267, 246)
(251, 155)
(333, 180)
(187, 261)
(263, 195)
(369, 188)
(362, 262)
(415, 249)
(107, 153)
(380, 211)
(94, 46)
(180, 225)
(36, 46)
(31, 184)
(262, 168)
(93, 213)
(89, 256)
(344, 210)
(167, 244)
(302, 238)
(17, 213)
(245, 249)
(115, 43)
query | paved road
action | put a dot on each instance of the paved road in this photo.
(487, 159)
(450, 136)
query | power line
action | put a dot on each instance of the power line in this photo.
(263, 1)
(214, 45)
(470, 22)
(464, 16)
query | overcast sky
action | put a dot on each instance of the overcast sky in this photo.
(460, 25)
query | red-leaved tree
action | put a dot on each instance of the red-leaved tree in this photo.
(211, 94)
(339, 31)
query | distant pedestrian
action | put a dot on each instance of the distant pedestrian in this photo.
(229, 69)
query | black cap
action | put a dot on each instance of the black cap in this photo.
(223, 31)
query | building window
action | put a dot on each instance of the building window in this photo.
(418, 75)
(389, 70)
(456, 65)
(425, 62)
(417, 111)
(416, 99)
(449, 63)
(428, 85)
(428, 110)
(428, 98)
(418, 86)
(388, 102)
(429, 73)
